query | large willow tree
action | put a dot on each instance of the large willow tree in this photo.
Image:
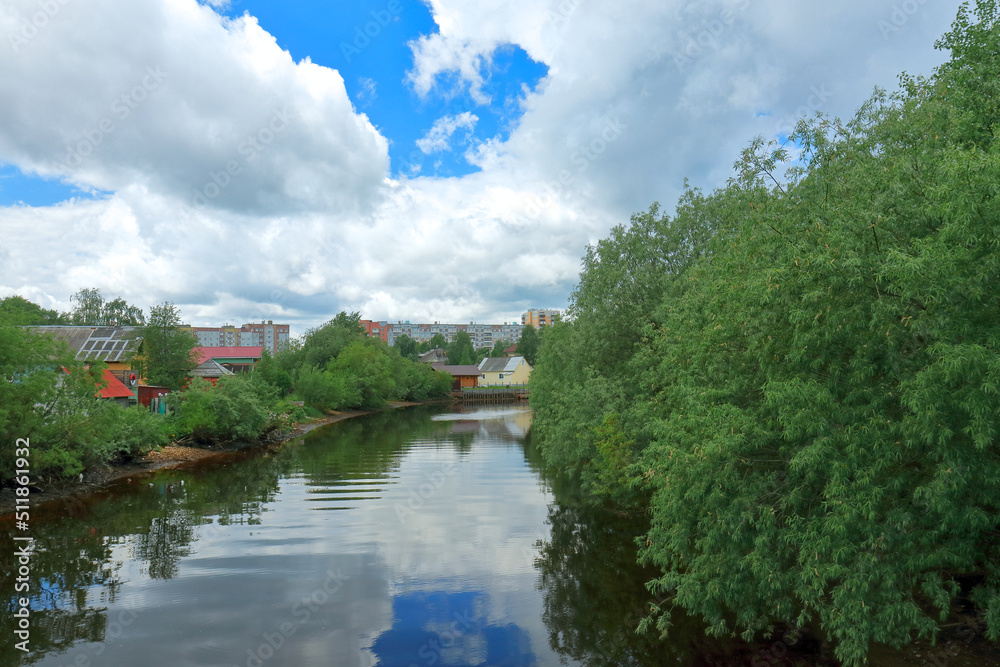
(809, 405)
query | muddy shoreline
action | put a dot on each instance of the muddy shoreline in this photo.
(170, 456)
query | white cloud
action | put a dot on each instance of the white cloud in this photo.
(298, 217)
(169, 95)
(438, 138)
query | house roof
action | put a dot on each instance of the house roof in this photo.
(437, 355)
(96, 343)
(499, 364)
(458, 370)
(115, 388)
(210, 368)
(202, 354)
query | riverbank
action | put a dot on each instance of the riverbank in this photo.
(169, 456)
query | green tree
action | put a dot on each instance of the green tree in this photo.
(240, 407)
(527, 347)
(804, 399)
(324, 343)
(406, 346)
(88, 307)
(324, 390)
(18, 310)
(437, 342)
(91, 309)
(366, 366)
(165, 355)
(50, 399)
(500, 348)
(120, 313)
(460, 350)
(269, 370)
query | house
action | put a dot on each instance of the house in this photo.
(238, 359)
(116, 391)
(464, 376)
(435, 356)
(503, 371)
(210, 370)
(115, 346)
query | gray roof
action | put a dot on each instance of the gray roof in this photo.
(210, 368)
(455, 371)
(434, 356)
(96, 343)
(499, 364)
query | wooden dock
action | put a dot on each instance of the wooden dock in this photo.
(495, 394)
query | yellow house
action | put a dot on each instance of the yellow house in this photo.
(503, 371)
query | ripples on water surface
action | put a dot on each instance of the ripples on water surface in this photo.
(401, 539)
(415, 538)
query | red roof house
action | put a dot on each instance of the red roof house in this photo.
(237, 358)
(116, 388)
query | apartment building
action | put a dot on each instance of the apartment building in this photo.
(539, 318)
(268, 335)
(482, 335)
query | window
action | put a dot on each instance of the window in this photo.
(501, 376)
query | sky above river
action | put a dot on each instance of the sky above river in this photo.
(425, 161)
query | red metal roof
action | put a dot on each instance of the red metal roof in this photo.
(115, 388)
(203, 354)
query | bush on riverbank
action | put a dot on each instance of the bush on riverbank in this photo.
(338, 367)
(796, 375)
(239, 407)
(47, 397)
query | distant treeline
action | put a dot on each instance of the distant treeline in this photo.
(50, 398)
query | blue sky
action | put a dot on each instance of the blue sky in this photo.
(367, 42)
(16, 187)
(445, 160)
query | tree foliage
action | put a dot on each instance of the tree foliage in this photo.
(407, 347)
(500, 348)
(461, 350)
(796, 376)
(165, 355)
(240, 407)
(338, 367)
(49, 398)
(18, 310)
(91, 309)
(527, 347)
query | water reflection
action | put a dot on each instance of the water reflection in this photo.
(442, 628)
(363, 544)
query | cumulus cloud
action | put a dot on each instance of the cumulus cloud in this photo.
(438, 138)
(245, 185)
(171, 96)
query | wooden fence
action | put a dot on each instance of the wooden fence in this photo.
(497, 394)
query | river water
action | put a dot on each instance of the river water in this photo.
(415, 538)
(410, 538)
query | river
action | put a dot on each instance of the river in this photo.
(413, 538)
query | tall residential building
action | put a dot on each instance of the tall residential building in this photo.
(376, 329)
(268, 335)
(539, 318)
(482, 335)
